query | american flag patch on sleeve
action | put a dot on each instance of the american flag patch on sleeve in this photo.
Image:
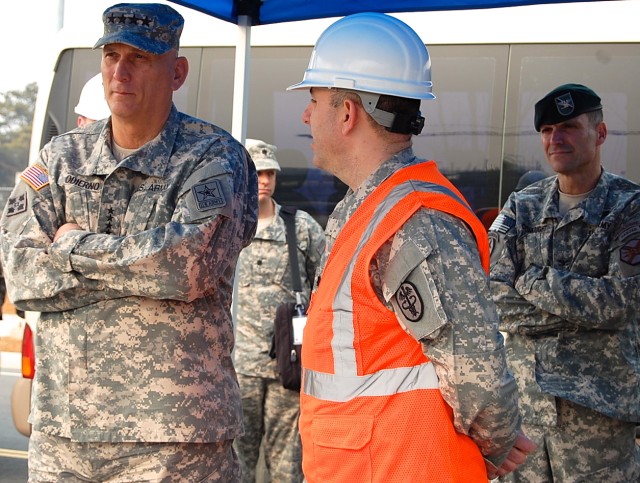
(35, 176)
(502, 224)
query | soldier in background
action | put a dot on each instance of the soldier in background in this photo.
(565, 275)
(265, 282)
(125, 235)
(92, 106)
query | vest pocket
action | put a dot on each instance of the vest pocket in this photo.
(341, 449)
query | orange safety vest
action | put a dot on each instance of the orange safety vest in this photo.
(371, 409)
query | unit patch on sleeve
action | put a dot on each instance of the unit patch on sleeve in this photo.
(209, 195)
(35, 176)
(17, 204)
(630, 251)
(410, 302)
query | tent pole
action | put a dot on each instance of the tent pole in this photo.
(241, 80)
(240, 110)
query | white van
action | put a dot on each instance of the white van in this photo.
(489, 67)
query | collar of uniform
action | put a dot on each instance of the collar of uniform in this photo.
(151, 159)
(550, 201)
(592, 206)
(274, 231)
(390, 166)
(595, 202)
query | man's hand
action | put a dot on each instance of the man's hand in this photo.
(518, 454)
(65, 228)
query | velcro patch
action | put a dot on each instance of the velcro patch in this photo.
(209, 195)
(17, 205)
(410, 302)
(35, 176)
(630, 252)
(502, 224)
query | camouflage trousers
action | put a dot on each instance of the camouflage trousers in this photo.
(584, 447)
(271, 419)
(56, 459)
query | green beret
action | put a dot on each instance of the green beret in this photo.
(564, 103)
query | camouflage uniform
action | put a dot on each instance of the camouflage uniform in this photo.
(135, 338)
(440, 257)
(264, 284)
(134, 462)
(567, 292)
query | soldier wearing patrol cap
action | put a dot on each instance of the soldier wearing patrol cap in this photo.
(565, 275)
(265, 282)
(132, 228)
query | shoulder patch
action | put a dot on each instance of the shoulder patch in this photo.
(209, 195)
(410, 302)
(35, 176)
(17, 204)
(630, 252)
(502, 224)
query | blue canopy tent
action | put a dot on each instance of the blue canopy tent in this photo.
(275, 11)
(248, 13)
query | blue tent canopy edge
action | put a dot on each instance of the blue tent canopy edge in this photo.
(276, 11)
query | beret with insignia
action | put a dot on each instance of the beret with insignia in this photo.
(564, 103)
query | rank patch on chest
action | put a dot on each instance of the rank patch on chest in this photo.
(410, 302)
(17, 204)
(35, 176)
(209, 195)
(630, 252)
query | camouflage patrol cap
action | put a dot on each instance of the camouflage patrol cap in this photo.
(263, 154)
(152, 27)
(564, 103)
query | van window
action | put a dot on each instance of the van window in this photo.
(479, 129)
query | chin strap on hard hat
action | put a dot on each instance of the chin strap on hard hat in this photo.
(394, 122)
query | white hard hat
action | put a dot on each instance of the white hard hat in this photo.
(263, 154)
(370, 52)
(92, 103)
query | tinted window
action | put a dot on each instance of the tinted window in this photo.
(479, 129)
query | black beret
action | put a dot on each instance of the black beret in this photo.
(565, 102)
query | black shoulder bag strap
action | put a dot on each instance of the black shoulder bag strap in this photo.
(288, 214)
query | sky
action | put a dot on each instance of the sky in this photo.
(21, 38)
(32, 26)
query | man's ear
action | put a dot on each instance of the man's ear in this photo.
(601, 131)
(181, 69)
(351, 113)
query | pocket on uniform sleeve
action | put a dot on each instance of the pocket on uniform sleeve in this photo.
(410, 287)
(344, 441)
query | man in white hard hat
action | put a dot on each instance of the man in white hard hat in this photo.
(405, 375)
(92, 105)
